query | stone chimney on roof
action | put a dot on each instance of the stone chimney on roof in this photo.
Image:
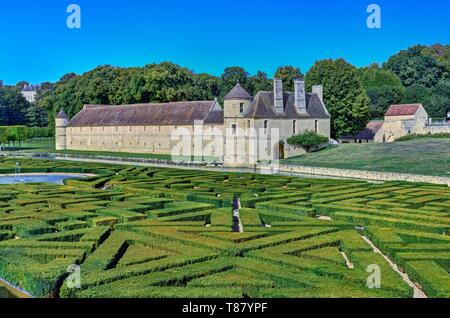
(278, 96)
(300, 96)
(318, 89)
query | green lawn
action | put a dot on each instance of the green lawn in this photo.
(424, 156)
(34, 145)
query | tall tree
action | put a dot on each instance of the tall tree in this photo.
(288, 74)
(233, 75)
(344, 95)
(260, 82)
(383, 87)
(417, 65)
(13, 107)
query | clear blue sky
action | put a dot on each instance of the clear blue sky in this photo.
(208, 35)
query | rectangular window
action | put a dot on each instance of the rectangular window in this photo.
(233, 129)
(294, 127)
(241, 108)
(316, 126)
(266, 125)
(248, 124)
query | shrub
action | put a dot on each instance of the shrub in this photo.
(417, 136)
(307, 140)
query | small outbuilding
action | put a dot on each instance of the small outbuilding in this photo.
(368, 135)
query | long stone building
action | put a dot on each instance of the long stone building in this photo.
(245, 131)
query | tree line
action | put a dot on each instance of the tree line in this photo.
(16, 134)
(420, 74)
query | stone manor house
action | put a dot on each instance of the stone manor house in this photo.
(245, 131)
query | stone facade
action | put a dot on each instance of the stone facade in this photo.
(399, 124)
(29, 92)
(399, 121)
(246, 131)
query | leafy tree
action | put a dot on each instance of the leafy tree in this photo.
(22, 84)
(417, 65)
(382, 97)
(383, 88)
(288, 74)
(344, 95)
(233, 75)
(307, 140)
(13, 134)
(37, 117)
(205, 87)
(260, 82)
(13, 106)
(67, 77)
(439, 103)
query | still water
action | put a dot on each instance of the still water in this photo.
(48, 178)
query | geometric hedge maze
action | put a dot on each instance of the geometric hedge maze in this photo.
(153, 232)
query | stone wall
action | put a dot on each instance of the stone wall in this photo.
(145, 139)
(359, 174)
(437, 129)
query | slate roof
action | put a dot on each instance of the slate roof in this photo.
(403, 110)
(262, 107)
(62, 115)
(238, 92)
(370, 131)
(186, 113)
(176, 113)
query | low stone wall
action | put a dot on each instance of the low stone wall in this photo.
(437, 129)
(360, 174)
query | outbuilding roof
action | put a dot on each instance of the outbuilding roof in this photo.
(403, 110)
(176, 113)
(370, 131)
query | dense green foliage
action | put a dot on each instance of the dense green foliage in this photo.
(425, 72)
(414, 136)
(307, 140)
(383, 88)
(13, 107)
(140, 232)
(13, 134)
(163, 82)
(344, 94)
(288, 74)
